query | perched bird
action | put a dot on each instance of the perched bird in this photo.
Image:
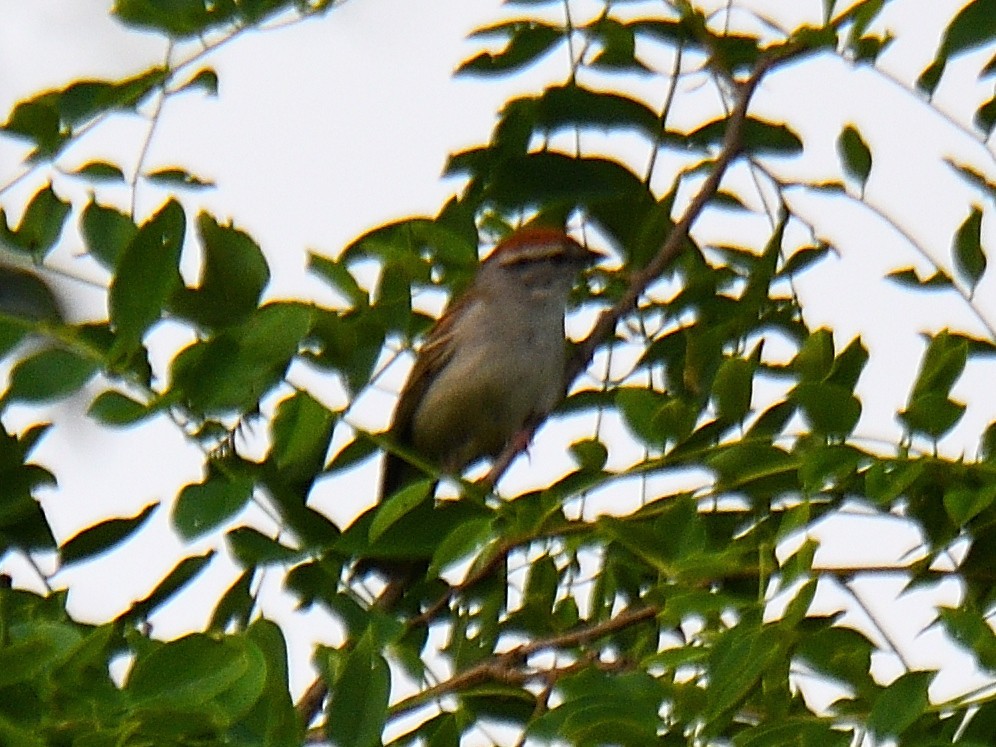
(493, 363)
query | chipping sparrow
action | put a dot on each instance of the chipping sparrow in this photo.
(494, 361)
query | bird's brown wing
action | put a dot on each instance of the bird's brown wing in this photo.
(432, 358)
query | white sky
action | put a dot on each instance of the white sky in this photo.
(331, 127)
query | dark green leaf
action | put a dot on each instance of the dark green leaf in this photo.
(181, 574)
(40, 226)
(590, 454)
(732, 389)
(900, 704)
(942, 365)
(234, 277)
(358, 700)
(302, 429)
(736, 663)
(100, 170)
(103, 536)
(340, 278)
(177, 177)
(801, 260)
(908, 278)
(251, 547)
(49, 374)
(115, 408)
(931, 414)
(855, 155)
(106, 232)
(398, 505)
(974, 26)
(202, 507)
(815, 358)
(760, 137)
(985, 117)
(527, 42)
(969, 259)
(573, 106)
(963, 503)
(147, 274)
(24, 294)
(206, 79)
(181, 18)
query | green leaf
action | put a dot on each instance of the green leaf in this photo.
(732, 389)
(106, 232)
(908, 278)
(205, 79)
(115, 408)
(815, 358)
(571, 106)
(40, 226)
(527, 42)
(25, 295)
(802, 259)
(967, 626)
(590, 454)
(180, 18)
(198, 670)
(102, 537)
(654, 417)
(855, 155)
(464, 539)
(251, 548)
(358, 699)
(974, 26)
(398, 505)
(302, 429)
(147, 275)
(181, 574)
(235, 273)
(177, 177)
(985, 117)
(830, 409)
(963, 503)
(202, 507)
(760, 137)
(931, 414)
(942, 365)
(100, 171)
(49, 374)
(799, 731)
(900, 704)
(337, 275)
(969, 259)
(736, 663)
(739, 464)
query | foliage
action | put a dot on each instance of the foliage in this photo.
(687, 620)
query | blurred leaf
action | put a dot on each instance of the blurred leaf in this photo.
(301, 431)
(732, 389)
(106, 232)
(830, 409)
(180, 18)
(969, 259)
(181, 574)
(147, 274)
(337, 274)
(985, 117)
(115, 408)
(574, 106)
(359, 696)
(102, 537)
(971, 629)
(590, 454)
(963, 503)
(25, 295)
(235, 273)
(398, 505)
(942, 365)
(908, 278)
(527, 42)
(49, 374)
(900, 704)
(202, 507)
(100, 170)
(931, 414)
(40, 226)
(205, 79)
(251, 548)
(176, 177)
(760, 137)
(855, 155)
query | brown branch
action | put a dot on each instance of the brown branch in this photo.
(508, 667)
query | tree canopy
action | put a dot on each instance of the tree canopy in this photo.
(672, 585)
